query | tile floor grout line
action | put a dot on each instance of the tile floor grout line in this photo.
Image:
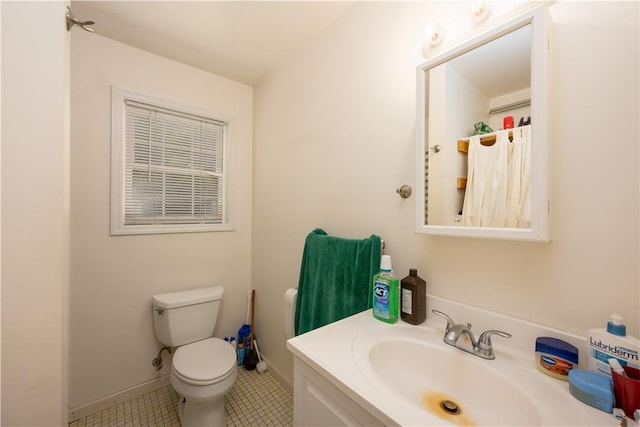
(255, 400)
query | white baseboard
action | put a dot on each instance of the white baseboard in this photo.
(278, 375)
(82, 411)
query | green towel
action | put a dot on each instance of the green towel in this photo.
(335, 279)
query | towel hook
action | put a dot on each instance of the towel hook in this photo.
(404, 191)
(71, 21)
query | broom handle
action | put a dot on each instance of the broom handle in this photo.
(248, 307)
(253, 298)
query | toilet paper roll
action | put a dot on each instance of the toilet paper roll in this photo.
(290, 312)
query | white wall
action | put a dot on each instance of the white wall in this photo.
(466, 106)
(35, 203)
(113, 278)
(334, 138)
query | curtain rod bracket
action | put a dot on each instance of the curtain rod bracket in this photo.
(71, 21)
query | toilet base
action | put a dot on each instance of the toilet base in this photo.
(203, 405)
(198, 414)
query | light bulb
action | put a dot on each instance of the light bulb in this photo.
(432, 34)
(431, 37)
(479, 11)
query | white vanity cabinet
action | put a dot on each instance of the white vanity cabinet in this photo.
(340, 379)
(317, 402)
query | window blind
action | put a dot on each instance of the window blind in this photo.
(173, 167)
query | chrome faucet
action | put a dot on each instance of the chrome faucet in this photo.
(460, 336)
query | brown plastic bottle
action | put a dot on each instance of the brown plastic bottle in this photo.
(413, 296)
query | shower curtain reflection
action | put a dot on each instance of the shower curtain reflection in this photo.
(498, 191)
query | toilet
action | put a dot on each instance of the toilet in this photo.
(203, 369)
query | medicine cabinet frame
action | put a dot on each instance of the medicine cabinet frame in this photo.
(540, 89)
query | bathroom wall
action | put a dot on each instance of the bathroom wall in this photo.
(113, 278)
(467, 105)
(334, 137)
(35, 206)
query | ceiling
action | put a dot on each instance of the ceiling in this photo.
(241, 40)
(501, 66)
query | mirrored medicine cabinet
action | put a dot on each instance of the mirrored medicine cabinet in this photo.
(478, 86)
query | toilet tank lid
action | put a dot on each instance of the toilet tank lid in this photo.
(183, 298)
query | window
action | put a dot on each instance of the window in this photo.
(168, 169)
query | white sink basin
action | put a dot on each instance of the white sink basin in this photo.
(437, 382)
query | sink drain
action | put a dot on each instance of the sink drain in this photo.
(447, 408)
(450, 407)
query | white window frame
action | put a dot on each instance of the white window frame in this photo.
(118, 169)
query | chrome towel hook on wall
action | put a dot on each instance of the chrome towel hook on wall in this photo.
(404, 191)
(71, 21)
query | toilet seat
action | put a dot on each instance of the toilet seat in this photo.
(204, 362)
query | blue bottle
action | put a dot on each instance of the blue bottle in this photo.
(240, 351)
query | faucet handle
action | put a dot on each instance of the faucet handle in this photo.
(484, 342)
(450, 322)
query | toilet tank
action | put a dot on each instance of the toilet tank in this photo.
(184, 317)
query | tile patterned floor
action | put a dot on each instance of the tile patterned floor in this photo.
(255, 400)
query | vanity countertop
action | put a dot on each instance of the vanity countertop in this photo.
(330, 351)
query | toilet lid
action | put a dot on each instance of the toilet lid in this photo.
(204, 360)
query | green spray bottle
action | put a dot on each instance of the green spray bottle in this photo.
(386, 289)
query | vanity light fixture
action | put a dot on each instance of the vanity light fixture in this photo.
(479, 11)
(432, 37)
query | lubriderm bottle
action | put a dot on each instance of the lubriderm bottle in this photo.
(612, 342)
(386, 288)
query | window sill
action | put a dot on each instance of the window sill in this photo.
(122, 230)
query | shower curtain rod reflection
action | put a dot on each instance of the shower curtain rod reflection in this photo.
(487, 139)
(508, 107)
(72, 20)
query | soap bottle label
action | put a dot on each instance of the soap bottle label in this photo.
(381, 298)
(601, 352)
